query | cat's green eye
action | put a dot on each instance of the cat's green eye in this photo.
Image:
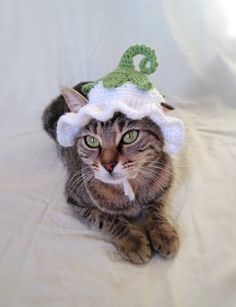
(130, 137)
(91, 141)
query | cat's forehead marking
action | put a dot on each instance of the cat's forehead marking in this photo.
(118, 125)
(110, 131)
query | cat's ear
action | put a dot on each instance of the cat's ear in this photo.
(166, 107)
(73, 99)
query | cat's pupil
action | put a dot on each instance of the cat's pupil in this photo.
(92, 141)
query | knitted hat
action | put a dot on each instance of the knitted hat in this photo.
(128, 91)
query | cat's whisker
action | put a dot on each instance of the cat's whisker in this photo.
(161, 185)
(76, 173)
(154, 171)
(150, 166)
(78, 186)
(75, 177)
(163, 170)
(80, 180)
(84, 183)
(154, 176)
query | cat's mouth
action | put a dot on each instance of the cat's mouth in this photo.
(111, 178)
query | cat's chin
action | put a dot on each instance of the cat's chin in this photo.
(110, 180)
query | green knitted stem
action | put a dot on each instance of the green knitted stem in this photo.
(126, 70)
(150, 56)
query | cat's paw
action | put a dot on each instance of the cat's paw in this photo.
(135, 247)
(165, 240)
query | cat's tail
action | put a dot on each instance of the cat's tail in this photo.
(52, 113)
(55, 110)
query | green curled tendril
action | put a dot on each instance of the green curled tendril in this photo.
(126, 70)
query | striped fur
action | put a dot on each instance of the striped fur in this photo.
(143, 162)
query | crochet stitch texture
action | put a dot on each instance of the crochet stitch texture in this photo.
(126, 70)
(128, 91)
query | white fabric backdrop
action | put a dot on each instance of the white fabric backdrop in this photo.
(47, 258)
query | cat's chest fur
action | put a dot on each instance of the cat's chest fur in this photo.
(112, 199)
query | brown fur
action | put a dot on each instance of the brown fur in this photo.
(150, 174)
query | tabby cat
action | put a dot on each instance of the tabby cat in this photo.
(105, 154)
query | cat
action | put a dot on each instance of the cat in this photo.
(105, 154)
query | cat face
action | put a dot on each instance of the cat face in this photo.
(120, 148)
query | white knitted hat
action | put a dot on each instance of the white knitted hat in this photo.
(127, 91)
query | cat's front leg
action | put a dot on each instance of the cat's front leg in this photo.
(133, 245)
(162, 234)
(131, 242)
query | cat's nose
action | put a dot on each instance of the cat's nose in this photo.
(109, 166)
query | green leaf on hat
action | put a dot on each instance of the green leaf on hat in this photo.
(115, 79)
(141, 81)
(87, 87)
(126, 70)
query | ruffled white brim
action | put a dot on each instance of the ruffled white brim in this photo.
(69, 124)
